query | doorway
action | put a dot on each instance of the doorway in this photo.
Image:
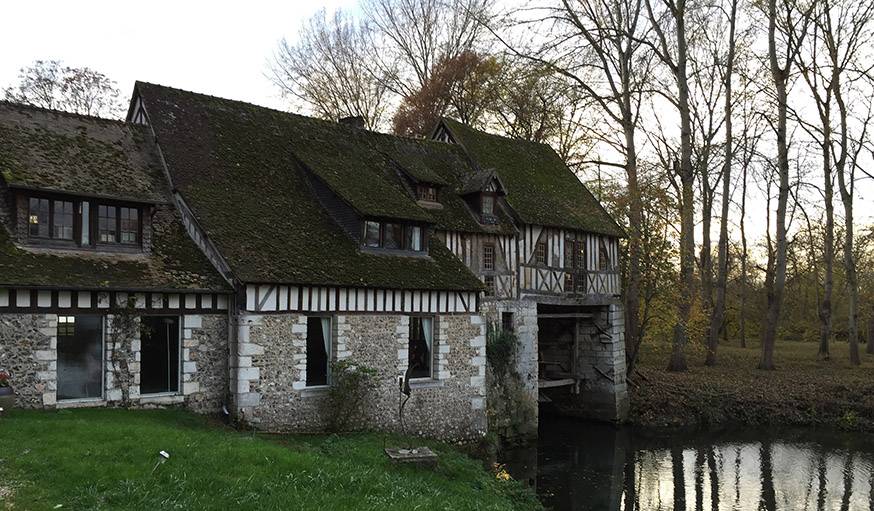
(159, 355)
(80, 357)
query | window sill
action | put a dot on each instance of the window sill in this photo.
(80, 403)
(162, 398)
(315, 391)
(425, 383)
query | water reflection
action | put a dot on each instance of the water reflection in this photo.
(582, 466)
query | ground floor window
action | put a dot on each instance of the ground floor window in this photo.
(159, 354)
(318, 350)
(80, 357)
(507, 321)
(421, 346)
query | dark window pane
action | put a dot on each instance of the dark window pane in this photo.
(80, 357)
(107, 224)
(159, 354)
(507, 321)
(63, 220)
(371, 234)
(541, 252)
(489, 281)
(86, 223)
(392, 236)
(427, 193)
(318, 349)
(603, 255)
(130, 225)
(38, 218)
(421, 346)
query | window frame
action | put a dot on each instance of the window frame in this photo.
(427, 193)
(85, 224)
(329, 356)
(604, 262)
(433, 349)
(488, 256)
(404, 238)
(491, 286)
(540, 253)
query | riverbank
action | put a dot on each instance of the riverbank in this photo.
(109, 459)
(803, 391)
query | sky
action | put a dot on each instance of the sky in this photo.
(220, 47)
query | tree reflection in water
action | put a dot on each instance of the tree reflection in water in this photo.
(583, 466)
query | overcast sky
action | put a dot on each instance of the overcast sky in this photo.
(217, 47)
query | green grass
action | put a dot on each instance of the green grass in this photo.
(802, 391)
(104, 459)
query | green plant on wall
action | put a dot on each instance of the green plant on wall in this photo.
(124, 328)
(511, 409)
(350, 384)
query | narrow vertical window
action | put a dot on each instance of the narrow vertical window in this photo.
(38, 218)
(130, 225)
(488, 205)
(392, 236)
(507, 322)
(540, 252)
(488, 257)
(371, 234)
(421, 346)
(603, 255)
(159, 354)
(318, 350)
(489, 281)
(414, 238)
(107, 224)
(62, 222)
(86, 222)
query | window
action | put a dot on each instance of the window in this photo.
(392, 236)
(80, 357)
(421, 346)
(62, 220)
(130, 225)
(86, 222)
(540, 252)
(159, 354)
(488, 205)
(427, 193)
(38, 218)
(107, 224)
(604, 262)
(318, 350)
(371, 234)
(489, 281)
(507, 322)
(414, 238)
(568, 282)
(488, 257)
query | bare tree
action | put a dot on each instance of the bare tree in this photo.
(412, 36)
(786, 30)
(665, 16)
(327, 70)
(50, 84)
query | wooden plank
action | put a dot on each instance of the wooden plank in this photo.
(548, 384)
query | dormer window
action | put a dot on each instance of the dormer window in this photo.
(488, 204)
(82, 222)
(426, 193)
(393, 236)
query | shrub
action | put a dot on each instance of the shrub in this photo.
(350, 384)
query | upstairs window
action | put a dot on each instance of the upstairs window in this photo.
(107, 223)
(38, 218)
(604, 262)
(394, 236)
(130, 225)
(488, 205)
(426, 193)
(489, 281)
(488, 257)
(62, 220)
(540, 253)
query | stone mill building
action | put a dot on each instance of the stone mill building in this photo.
(218, 255)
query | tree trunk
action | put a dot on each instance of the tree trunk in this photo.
(744, 253)
(635, 219)
(825, 312)
(870, 347)
(851, 275)
(778, 283)
(687, 205)
(717, 318)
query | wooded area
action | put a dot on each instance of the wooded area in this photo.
(716, 132)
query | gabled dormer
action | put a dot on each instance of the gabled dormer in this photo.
(483, 191)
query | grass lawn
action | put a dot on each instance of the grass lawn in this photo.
(801, 391)
(98, 458)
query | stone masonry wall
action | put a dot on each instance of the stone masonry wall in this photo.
(28, 351)
(601, 362)
(525, 327)
(269, 374)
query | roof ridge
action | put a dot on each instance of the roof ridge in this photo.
(28, 106)
(495, 135)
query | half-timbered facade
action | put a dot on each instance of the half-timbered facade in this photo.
(555, 279)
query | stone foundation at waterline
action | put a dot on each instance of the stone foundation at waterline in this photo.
(29, 353)
(268, 374)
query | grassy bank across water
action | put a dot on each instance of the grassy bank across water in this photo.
(802, 391)
(98, 458)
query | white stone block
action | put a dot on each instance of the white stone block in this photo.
(477, 381)
(190, 387)
(49, 399)
(248, 349)
(242, 386)
(299, 385)
(189, 367)
(113, 395)
(298, 328)
(45, 355)
(478, 403)
(249, 373)
(193, 321)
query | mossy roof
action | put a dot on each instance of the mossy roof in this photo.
(540, 187)
(241, 169)
(174, 263)
(50, 150)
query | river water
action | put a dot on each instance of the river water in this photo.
(579, 465)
